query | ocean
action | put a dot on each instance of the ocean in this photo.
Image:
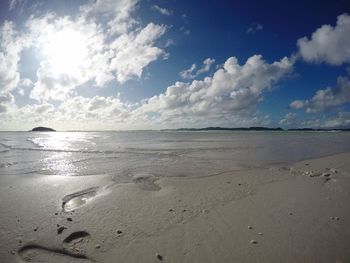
(130, 154)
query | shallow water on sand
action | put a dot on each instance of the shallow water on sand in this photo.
(134, 156)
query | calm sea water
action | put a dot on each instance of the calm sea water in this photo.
(125, 155)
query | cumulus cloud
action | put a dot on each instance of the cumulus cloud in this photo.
(102, 43)
(327, 98)
(192, 72)
(328, 44)
(133, 52)
(227, 97)
(11, 45)
(162, 11)
(233, 91)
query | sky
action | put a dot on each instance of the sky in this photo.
(130, 64)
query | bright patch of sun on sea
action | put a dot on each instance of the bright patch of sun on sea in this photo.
(66, 51)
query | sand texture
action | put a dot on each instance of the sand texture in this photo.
(296, 213)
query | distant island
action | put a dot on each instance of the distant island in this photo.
(43, 129)
(255, 129)
(230, 129)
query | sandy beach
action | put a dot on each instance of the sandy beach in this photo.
(294, 213)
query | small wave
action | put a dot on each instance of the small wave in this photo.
(6, 165)
(34, 142)
(5, 145)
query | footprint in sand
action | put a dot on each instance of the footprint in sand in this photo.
(146, 182)
(72, 251)
(78, 199)
(77, 242)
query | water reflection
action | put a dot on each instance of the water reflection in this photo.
(60, 164)
(61, 149)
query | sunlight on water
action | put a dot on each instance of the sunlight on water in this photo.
(124, 155)
(60, 164)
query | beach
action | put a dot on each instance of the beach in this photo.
(273, 212)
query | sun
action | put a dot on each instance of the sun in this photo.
(66, 51)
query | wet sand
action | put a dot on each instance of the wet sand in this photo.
(296, 213)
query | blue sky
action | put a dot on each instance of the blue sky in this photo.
(129, 64)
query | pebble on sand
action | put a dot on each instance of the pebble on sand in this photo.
(171, 210)
(119, 232)
(159, 256)
(60, 230)
(250, 227)
(253, 241)
(290, 213)
(36, 229)
(260, 233)
(98, 246)
(69, 219)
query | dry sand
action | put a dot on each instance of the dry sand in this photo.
(298, 213)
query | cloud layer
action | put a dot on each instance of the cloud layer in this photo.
(106, 44)
(81, 49)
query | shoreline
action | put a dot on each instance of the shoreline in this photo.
(272, 214)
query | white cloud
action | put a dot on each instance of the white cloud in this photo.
(328, 44)
(11, 46)
(289, 119)
(6, 101)
(185, 30)
(342, 119)
(297, 104)
(228, 97)
(16, 3)
(74, 113)
(162, 11)
(339, 120)
(118, 12)
(81, 49)
(103, 109)
(231, 93)
(191, 73)
(133, 52)
(327, 98)
(169, 43)
(24, 85)
(254, 28)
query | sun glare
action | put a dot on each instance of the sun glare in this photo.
(66, 51)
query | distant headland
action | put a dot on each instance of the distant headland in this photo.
(43, 129)
(254, 129)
